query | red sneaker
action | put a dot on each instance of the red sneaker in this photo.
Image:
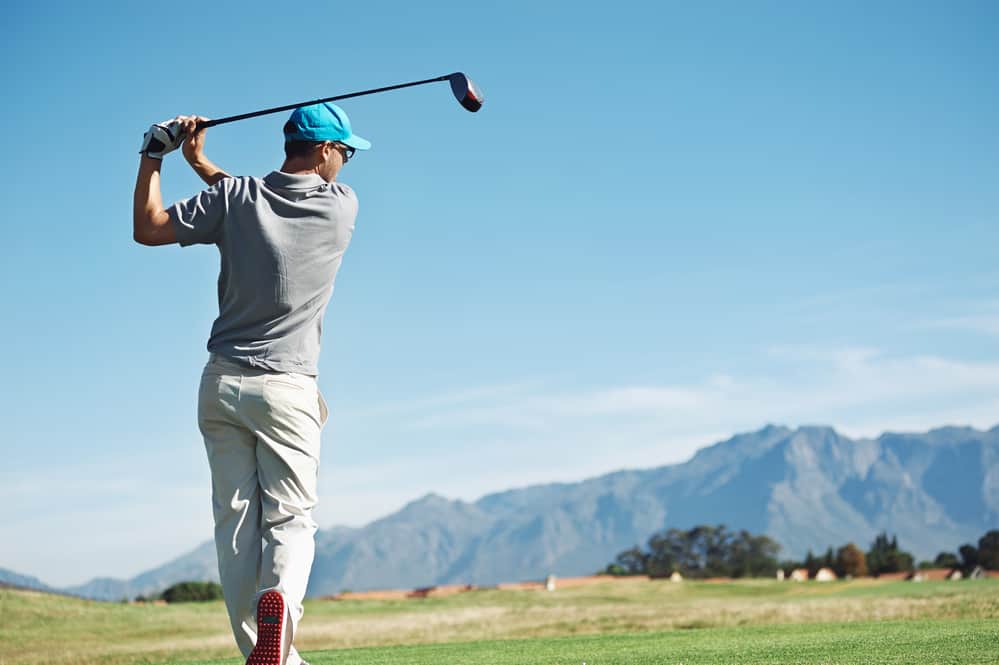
(270, 624)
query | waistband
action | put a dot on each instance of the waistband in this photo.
(216, 359)
(235, 367)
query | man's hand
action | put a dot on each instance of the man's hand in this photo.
(194, 150)
(194, 145)
(163, 137)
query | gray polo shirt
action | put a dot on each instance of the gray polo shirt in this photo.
(281, 240)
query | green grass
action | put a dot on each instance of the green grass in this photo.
(893, 642)
(634, 622)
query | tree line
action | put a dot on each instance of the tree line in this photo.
(186, 592)
(715, 551)
(885, 556)
(701, 552)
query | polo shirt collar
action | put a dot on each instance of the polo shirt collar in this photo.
(294, 181)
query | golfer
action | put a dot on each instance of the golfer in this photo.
(281, 239)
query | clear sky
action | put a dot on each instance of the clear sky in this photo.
(669, 223)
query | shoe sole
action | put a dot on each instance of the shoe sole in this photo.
(270, 621)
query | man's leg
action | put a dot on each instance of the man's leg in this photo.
(287, 426)
(231, 450)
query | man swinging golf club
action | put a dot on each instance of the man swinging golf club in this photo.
(281, 239)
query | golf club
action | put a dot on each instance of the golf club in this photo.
(466, 92)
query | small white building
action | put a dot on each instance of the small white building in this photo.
(825, 575)
(676, 577)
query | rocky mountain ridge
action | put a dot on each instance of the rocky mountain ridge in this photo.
(807, 488)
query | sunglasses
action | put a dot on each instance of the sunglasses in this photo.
(345, 150)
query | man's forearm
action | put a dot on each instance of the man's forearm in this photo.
(207, 170)
(194, 151)
(150, 222)
(148, 199)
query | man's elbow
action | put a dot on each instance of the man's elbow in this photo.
(148, 232)
(141, 232)
(153, 239)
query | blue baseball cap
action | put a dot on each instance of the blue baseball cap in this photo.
(322, 122)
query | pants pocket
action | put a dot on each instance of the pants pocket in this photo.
(324, 411)
(290, 393)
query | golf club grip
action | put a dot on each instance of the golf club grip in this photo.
(288, 107)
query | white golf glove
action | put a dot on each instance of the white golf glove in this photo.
(163, 137)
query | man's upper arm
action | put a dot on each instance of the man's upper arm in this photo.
(198, 220)
(160, 230)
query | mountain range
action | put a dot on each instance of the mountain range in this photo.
(807, 488)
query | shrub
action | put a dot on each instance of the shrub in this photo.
(988, 550)
(886, 557)
(188, 592)
(947, 560)
(851, 560)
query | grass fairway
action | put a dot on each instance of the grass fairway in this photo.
(890, 642)
(634, 622)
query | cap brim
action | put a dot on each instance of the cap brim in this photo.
(355, 141)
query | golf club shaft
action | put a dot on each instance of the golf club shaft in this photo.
(288, 107)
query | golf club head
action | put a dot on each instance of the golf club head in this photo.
(467, 94)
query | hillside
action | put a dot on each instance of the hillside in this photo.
(806, 488)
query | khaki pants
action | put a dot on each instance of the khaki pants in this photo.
(261, 432)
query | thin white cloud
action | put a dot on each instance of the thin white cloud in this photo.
(985, 324)
(982, 318)
(816, 385)
(449, 399)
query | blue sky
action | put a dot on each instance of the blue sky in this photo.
(670, 222)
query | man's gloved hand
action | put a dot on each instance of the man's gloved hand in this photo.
(163, 137)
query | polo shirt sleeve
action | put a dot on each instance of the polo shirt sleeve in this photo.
(198, 220)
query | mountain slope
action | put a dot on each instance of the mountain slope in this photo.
(199, 564)
(807, 488)
(11, 579)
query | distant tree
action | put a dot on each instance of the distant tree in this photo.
(186, 592)
(629, 562)
(988, 550)
(947, 560)
(969, 557)
(713, 544)
(789, 566)
(811, 563)
(815, 563)
(703, 551)
(850, 560)
(886, 557)
(879, 554)
(828, 559)
(925, 565)
(661, 559)
(697, 553)
(752, 556)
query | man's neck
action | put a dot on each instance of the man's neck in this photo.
(295, 167)
(292, 167)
